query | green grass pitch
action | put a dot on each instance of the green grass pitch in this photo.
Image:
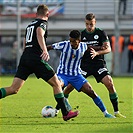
(22, 112)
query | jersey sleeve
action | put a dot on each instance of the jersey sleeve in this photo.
(43, 26)
(104, 37)
(59, 45)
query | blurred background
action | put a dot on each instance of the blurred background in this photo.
(115, 17)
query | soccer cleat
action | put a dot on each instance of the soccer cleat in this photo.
(56, 112)
(119, 115)
(70, 115)
(109, 116)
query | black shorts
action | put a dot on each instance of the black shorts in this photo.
(98, 70)
(39, 67)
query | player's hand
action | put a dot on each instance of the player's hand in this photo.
(93, 53)
(45, 56)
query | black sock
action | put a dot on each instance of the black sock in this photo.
(115, 104)
(114, 101)
(60, 102)
(58, 106)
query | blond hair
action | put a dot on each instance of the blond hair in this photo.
(42, 9)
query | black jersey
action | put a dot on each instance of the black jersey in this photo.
(32, 47)
(95, 38)
(30, 61)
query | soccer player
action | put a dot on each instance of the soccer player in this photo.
(34, 60)
(69, 70)
(93, 62)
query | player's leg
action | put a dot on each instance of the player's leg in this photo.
(81, 84)
(108, 82)
(124, 7)
(64, 82)
(66, 92)
(59, 96)
(87, 89)
(68, 89)
(13, 89)
(119, 9)
(102, 75)
(45, 71)
(18, 81)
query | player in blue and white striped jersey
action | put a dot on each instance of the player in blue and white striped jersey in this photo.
(70, 57)
(69, 70)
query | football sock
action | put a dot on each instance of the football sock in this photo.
(66, 95)
(2, 93)
(99, 103)
(114, 101)
(105, 112)
(116, 112)
(58, 106)
(60, 100)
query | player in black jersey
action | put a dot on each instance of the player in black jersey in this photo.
(34, 60)
(93, 62)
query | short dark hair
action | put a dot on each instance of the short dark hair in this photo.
(90, 16)
(74, 34)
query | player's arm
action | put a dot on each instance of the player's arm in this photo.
(97, 48)
(24, 43)
(56, 46)
(40, 37)
(105, 48)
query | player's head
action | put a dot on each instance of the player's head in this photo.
(42, 10)
(74, 38)
(90, 22)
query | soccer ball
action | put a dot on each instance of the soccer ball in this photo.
(48, 111)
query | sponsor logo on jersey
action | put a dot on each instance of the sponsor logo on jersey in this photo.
(29, 46)
(94, 43)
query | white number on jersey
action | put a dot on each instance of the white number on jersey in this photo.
(29, 34)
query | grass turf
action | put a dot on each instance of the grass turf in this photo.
(21, 112)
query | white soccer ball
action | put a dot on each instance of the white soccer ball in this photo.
(48, 111)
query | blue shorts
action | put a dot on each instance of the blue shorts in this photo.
(76, 81)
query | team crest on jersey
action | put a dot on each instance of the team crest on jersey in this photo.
(73, 56)
(43, 26)
(96, 37)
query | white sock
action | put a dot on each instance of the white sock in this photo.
(105, 112)
(116, 112)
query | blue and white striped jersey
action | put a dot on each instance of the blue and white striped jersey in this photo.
(70, 58)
